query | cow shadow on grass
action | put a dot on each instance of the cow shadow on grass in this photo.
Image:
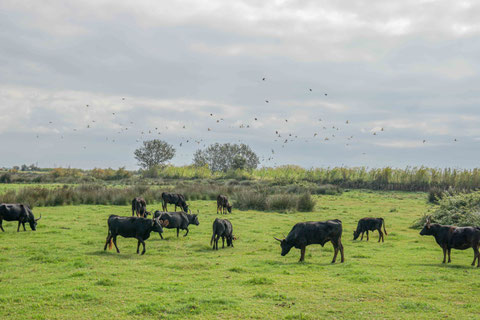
(443, 265)
(122, 255)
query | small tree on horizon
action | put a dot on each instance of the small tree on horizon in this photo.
(224, 157)
(154, 153)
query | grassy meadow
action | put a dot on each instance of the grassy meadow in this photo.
(61, 271)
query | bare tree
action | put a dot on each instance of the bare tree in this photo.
(154, 153)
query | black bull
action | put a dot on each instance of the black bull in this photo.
(224, 229)
(131, 227)
(176, 220)
(174, 198)
(18, 212)
(314, 232)
(451, 237)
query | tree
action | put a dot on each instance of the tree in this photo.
(224, 157)
(154, 153)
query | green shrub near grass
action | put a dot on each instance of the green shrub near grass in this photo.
(461, 209)
(250, 200)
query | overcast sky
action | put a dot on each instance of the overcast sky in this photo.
(158, 69)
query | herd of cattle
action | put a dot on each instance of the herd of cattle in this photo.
(301, 235)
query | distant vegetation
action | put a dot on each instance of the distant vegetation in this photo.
(408, 179)
(455, 209)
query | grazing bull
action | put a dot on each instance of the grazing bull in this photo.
(370, 224)
(313, 232)
(18, 212)
(174, 198)
(176, 220)
(139, 206)
(131, 227)
(222, 203)
(222, 228)
(448, 237)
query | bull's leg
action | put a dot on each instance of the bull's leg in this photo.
(302, 254)
(223, 242)
(175, 208)
(217, 208)
(186, 233)
(362, 236)
(143, 242)
(23, 224)
(138, 246)
(341, 251)
(19, 222)
(178, 230)
(335, 247)
(380, 235)
(161, 237)
(109, 237)
(1, 225)
(115, 243)
(476, 255)
(444, 254)
(449, 250)
(367, 235)
(216, 241)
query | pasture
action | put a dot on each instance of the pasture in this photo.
(61, 271)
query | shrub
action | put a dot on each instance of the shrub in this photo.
(281, 202)
(457, 209)
(305, 203)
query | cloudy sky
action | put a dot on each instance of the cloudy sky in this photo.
(393, 83)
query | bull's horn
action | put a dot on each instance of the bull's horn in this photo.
(277, 239)
(39, 217)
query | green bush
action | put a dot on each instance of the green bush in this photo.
(458, 209)
(305, 203)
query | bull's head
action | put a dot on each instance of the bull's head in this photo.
(355, 235)
(229, 208)
(156, 225)
(33, 222)
(285, 245)
(195, 220)
(427, 228)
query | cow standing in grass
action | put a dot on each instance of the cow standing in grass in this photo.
(370, 224)
(176, 220)
(222, 228)
(222, 204)
(139, 206)
(18, 212)
(174, 198)
(314, 232)
(448, 237)
(131, 227)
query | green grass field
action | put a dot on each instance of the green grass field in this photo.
(61, 271)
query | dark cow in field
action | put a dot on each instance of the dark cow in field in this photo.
(222, 204)
(18, 212)
(370, 224)
(314, 232)
(131, 227)
(176, 220)
(139, 207)
(174, 198)
(451, 237)
(222, 228)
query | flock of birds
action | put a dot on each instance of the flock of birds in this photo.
(282, 137)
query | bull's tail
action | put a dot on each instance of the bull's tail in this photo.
(213, 238)
(384, 230)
